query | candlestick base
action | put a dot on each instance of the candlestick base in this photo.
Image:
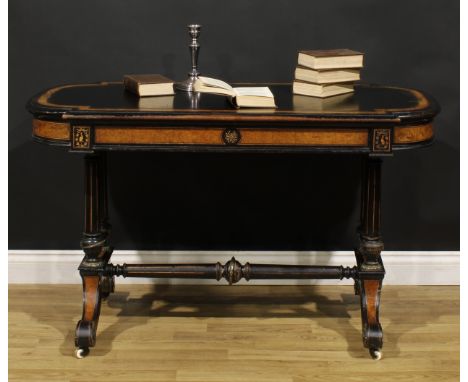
(187, 85)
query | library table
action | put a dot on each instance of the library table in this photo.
(96, 118)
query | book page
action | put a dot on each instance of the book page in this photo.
(207, 81)
(257, 92)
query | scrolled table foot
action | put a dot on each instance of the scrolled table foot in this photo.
(372, 334)
(85, 333)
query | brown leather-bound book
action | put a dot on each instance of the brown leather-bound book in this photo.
(148, 84)
(330, 59)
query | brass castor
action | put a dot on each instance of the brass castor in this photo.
(81, 352)
(376, 354)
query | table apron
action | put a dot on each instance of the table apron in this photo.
(377, 139)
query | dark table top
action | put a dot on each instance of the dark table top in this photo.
(109, 100)
(103, 116)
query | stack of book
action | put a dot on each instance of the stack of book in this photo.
(325, 73)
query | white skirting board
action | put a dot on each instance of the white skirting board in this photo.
(402, 267)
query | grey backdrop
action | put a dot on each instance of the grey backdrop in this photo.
(214, 201)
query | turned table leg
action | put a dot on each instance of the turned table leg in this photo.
(94, 242)
(368, 283)
(107, 282)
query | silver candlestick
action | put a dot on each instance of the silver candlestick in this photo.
(194, 47)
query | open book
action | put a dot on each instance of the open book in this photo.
(240, 97)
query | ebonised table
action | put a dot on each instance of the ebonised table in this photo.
(93, 119)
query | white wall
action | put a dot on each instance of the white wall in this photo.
(403, 268)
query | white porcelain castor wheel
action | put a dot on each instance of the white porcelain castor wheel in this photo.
(375, 354)
(81, 352)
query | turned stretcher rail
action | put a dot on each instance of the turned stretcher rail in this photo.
(232, 271)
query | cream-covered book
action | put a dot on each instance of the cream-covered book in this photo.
(326, 76)
(240, 97)
(316, 90)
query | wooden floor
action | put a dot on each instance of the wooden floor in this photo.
(237, 333)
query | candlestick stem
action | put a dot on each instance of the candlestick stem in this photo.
(194, 48)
